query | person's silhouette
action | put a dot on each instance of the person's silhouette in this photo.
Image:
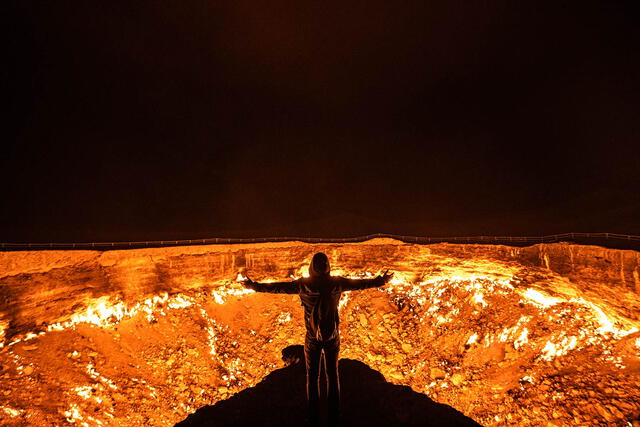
(319, 295)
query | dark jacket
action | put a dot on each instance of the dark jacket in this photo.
(319, 286)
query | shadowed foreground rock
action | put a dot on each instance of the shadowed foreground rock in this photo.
(367, 400)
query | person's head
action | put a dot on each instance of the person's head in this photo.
(319, 265)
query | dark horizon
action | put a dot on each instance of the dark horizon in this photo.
(158, 121)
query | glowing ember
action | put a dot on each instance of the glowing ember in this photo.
(541, 300)
(473, 339)
(501, 341)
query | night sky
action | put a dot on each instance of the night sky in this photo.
(166, 120)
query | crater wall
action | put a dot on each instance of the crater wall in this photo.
(547, 334)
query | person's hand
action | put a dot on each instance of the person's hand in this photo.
(387, 276)
(247, 282)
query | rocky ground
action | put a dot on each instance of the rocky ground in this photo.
(367, 400)
(501, 340)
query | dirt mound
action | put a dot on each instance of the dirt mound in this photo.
(367, 400)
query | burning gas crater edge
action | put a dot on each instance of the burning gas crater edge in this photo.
(531, 336)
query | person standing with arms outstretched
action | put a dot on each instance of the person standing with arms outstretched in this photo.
(319, 295)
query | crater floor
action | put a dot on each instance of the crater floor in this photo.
(542, 335)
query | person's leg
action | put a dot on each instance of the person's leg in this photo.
(331, 356)
(312, 351)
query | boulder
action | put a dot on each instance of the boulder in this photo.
(437, 373)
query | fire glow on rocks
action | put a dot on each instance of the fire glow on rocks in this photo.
(537, 335)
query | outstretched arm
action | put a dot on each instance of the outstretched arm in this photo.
(273, 288)
(358, 284)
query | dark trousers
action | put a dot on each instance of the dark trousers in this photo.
(313, 350)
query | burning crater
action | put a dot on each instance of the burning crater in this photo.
(547, 334)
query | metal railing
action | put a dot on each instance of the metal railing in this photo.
(632, 240)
